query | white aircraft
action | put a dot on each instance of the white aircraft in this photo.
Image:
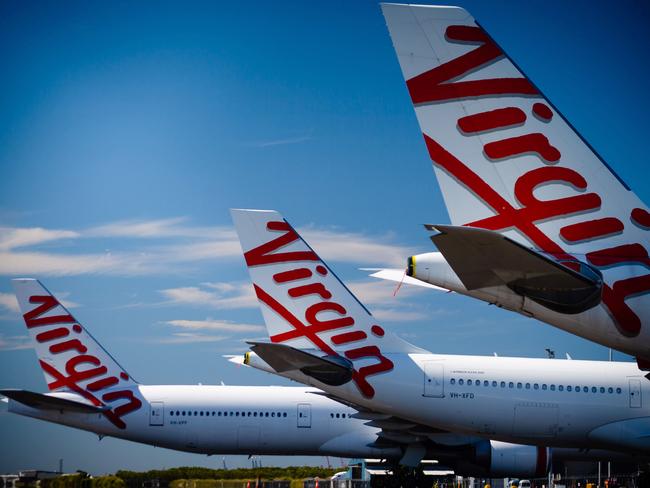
(89, 390)
(321, 335)
(541, 225)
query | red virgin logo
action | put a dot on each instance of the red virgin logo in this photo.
(62, 334)
(311, 325)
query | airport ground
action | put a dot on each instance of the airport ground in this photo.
(577, 476)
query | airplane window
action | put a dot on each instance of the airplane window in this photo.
(266, 414)
(219, 414)
(285, 414)
(528, 386)
(171, 413)
(249, 414)
(494, 384)
(214, 413)
(602, 389)
(618, 390)
(568, 388)
(195, 413)
(469, 382)
(254, 414)
(177, 413)
(503, 384)
(511, 385)
(578, 389)
(232, 414)
(486, 383)
(585, 389)
(201, 413)
(460, 382)
(272, 414)
(552, 387)
(332, 415)
(279, 414)
(519, 385)
(544, 386)
(536, 386)
(243, 414)
(452, 381)
(337, 415)
(594, 389)
(183, 413)
(610, 390)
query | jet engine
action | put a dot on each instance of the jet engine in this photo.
(504, 459)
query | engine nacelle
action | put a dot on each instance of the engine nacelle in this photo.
(516, 460)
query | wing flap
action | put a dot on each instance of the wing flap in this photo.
(483, 258)
(331, 370)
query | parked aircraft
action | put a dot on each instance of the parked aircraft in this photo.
(321, 335)
(540, 223)
(89, 390)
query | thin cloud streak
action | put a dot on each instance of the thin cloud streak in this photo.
(213, 295)
(283, 142)
(189, 338)
(14, 343)
(210, 324)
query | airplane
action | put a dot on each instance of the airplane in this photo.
(89, 390)
(321, 335)
(540, 223)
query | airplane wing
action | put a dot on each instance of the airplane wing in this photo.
(48, 402)
(483, 258)
(399, 276)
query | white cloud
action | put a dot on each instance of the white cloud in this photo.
(210, 324)
(14, 343)
(8, 301)
(355, 248)
(397, 315)
(13, 237)
(189, 338)
(172, 244)
(282, 142)
(214, 295)
(172, 227)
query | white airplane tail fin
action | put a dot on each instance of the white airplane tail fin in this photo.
(507, 161)
(71, 359)
(303, 302)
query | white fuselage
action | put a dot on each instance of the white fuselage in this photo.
(528, 401)
(232, 420)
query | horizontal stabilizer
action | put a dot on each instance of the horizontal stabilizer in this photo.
(47, 402)
(331, 370)
(483, 258)
(400, 276)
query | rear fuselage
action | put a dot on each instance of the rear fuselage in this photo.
(232, 420)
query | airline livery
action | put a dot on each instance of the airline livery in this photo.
(90, 391)
(321, 335)
(540, 223)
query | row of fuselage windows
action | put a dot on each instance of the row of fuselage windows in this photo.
(340, 415)
(212, 413)
(535, 386)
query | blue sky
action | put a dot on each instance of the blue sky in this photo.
(127, 131)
